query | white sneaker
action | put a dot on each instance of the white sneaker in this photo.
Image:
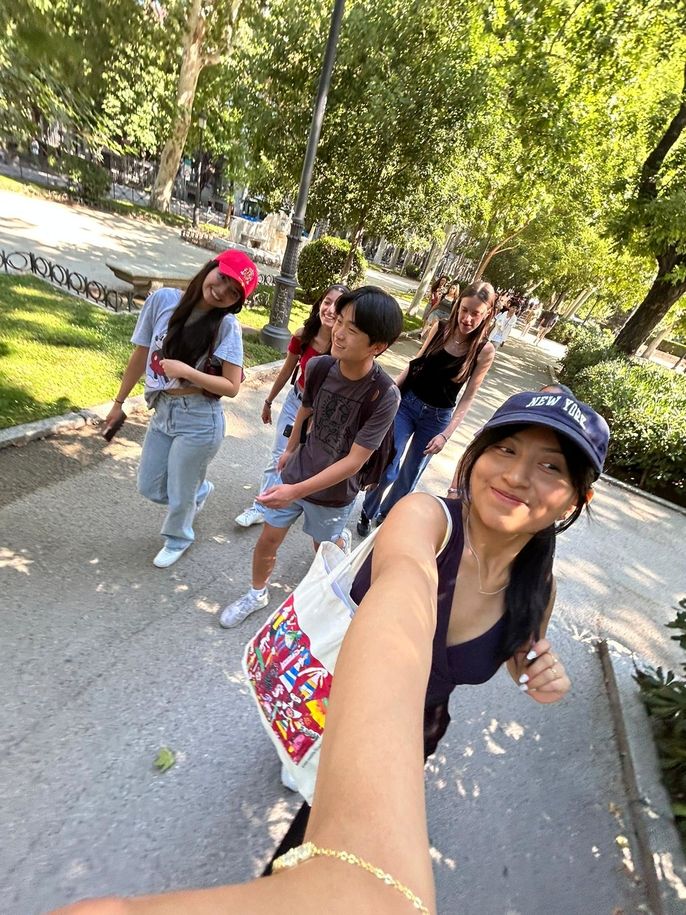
(236, 612)
(249, 517)
(168, 556)
(201, 504)
(347, 540)
(287, 779)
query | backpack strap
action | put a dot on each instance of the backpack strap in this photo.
(318, 372)
(375, 394)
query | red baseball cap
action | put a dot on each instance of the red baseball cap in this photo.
(239, 267)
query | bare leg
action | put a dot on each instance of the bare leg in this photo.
(264, 557)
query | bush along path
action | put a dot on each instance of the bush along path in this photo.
(645, 405)
(664, 695)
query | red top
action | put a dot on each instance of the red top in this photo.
(295, 347)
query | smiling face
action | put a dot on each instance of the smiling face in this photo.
(472, 314)
(348, 342)
(521, 484)
(327, 310)
(219, 291)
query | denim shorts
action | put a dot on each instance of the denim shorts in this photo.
(320, 522)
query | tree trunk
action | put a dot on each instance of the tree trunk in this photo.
(656, 341)
(357, 235)
(659, 299)
(580, 300)
(191, 66)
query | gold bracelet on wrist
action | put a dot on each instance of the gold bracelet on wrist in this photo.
(309, 850)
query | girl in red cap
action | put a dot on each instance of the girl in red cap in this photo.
(190, 349)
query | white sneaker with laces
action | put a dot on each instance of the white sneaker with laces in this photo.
(249, 517)
(346, 539)
(287, 779)
(201, 504)
(236, 612)
(168, 556)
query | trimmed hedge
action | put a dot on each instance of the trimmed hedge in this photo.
(412, 270)
(645, 406)
(321, 262)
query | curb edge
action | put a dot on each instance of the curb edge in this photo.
(662, 864)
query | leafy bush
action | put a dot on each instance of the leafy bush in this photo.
(321, 262)
(586, 345)
(645, 406)
(664, 696)
(412, 270)
(89, 181)
(566, 330)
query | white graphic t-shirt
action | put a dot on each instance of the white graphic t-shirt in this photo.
(151, 329)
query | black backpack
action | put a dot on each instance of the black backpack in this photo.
(373, 469)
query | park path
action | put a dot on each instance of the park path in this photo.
(84, 240)
(106, 659)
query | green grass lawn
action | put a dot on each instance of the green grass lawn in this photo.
(59, 354)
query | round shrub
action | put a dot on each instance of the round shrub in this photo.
(586, 345)
(412, 270)
(89, 181)
(321, 262)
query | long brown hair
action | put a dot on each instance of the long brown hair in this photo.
(485, 293)
(314, 322)
(191, 344)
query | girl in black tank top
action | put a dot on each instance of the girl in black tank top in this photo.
(453, 360)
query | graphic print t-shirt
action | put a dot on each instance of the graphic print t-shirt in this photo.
(335, 428)
(151, 329)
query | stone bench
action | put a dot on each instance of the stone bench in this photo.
(143, 280)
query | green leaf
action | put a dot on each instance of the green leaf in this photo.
(165, 759)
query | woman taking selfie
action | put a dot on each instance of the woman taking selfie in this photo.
(526, 477)
(190, 349)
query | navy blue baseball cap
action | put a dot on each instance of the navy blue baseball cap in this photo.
(562, 413)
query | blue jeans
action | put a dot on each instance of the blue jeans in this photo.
(419, 422)
(289, 410)
(183, 436)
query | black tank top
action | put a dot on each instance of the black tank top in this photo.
(475, 661)
(429, 377)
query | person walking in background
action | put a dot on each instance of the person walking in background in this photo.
(352, 403)
(312, 339)
(436, 292)
(190, 349)
(546, 322)
(453, 360)
(504, 323)
(443, 309)
(529, 316)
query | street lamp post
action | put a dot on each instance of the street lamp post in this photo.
(276, 332)
(202, 124)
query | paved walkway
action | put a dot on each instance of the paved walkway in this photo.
(107, 659)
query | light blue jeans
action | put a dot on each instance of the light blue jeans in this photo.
(416, 422)
(183, 436)
(289, 411)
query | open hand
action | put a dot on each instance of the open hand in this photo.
(544, 676)
(436, 444)
(283, 460)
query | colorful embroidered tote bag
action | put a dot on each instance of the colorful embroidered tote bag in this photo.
(290, 661)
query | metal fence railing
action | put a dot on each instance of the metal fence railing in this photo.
(64, 278)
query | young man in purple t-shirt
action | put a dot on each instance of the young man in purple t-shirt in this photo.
(320, 478)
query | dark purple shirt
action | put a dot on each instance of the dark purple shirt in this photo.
(475, 661)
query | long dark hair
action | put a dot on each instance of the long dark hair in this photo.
(437, 283)
(313, 324)
(486, 293)
(192, 343)
(531, 577)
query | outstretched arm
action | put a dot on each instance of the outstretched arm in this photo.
(369, 798)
